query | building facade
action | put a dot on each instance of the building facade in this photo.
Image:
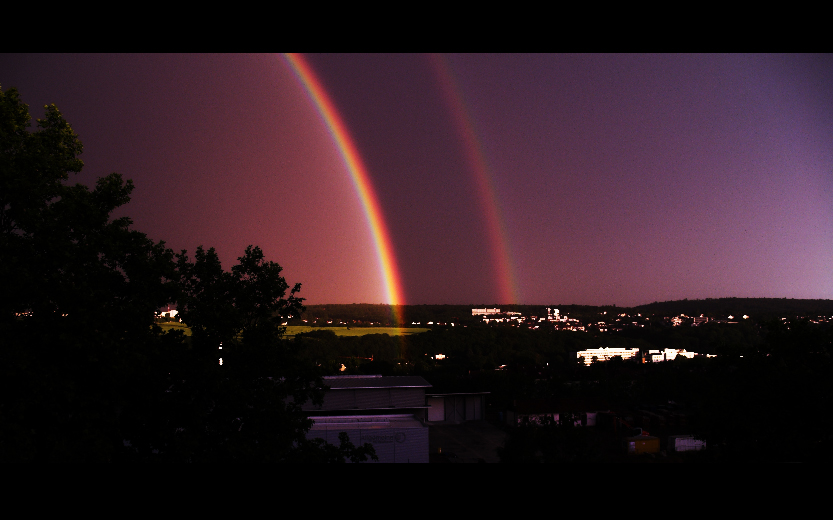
(388, 412)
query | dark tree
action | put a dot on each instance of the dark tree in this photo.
(86, 374)
(248, 408)
(79, 294)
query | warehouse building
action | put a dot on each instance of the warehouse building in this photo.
(388, 412)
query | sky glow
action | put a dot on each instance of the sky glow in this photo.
(478, 165)
(361, 178)
(470, 179)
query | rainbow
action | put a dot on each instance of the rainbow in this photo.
(361, 180)
(476, 157)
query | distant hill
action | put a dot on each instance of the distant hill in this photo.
(369, 313)
(758, 308)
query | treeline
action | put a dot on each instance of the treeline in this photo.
(484, 347)
(715, 338)
(761, 309)
(383, 314)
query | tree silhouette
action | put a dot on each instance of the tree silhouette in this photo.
(87, 376)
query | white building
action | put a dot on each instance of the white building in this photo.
(671, 354)
(604, 354)
(685, 443)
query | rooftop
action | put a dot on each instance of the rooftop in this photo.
(365, 422)
(375, 381)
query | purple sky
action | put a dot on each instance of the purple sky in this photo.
(620, 179)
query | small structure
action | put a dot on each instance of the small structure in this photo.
(167, 312)
(386, 411)
(699, 321)
(642, 444)
(669, 354)
(457, 408)
(685, 443)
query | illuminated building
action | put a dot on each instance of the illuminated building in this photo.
(604, 354)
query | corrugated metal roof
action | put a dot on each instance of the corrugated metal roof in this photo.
(365, 422)
(457, 393)
(353, 382)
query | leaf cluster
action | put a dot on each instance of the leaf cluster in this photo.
(87, 375)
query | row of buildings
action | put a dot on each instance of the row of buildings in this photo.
(395, 414)
(553, 317)
(592, 355)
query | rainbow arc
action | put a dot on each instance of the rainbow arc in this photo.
(360, 177)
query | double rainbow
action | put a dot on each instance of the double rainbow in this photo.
(479, 166)
(361, 180)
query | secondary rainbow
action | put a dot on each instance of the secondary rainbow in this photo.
(479, 166)
(359, 174)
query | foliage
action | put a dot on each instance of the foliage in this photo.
(316, 450)
(225, 307)
(758, 308)
(549, 440)
(80, 291)
(293, 330)
(87, 375)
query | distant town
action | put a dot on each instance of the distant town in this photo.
(603, 320)
(584, 318)
(677, 381)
